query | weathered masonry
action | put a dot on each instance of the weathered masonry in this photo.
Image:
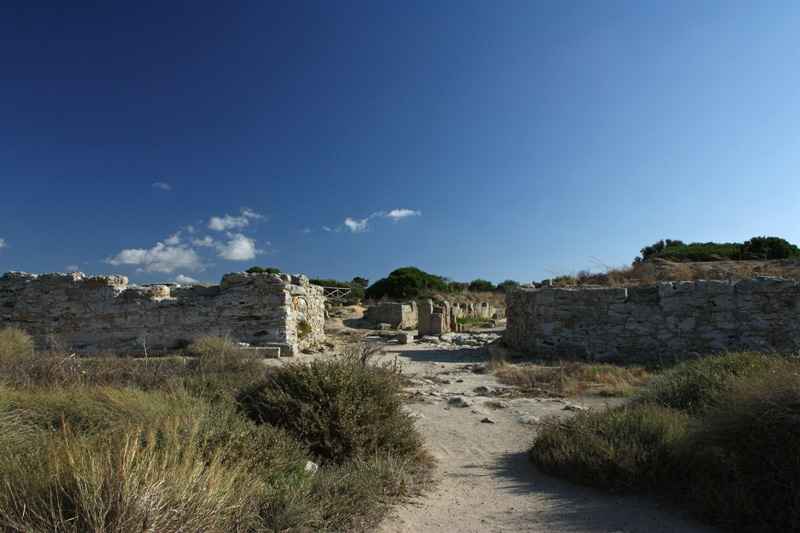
(104, 312)
(644, 323)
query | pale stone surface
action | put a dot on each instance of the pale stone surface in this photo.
(399, 315)
(645, 323)
(103, 312)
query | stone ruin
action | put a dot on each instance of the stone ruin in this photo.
(430, 317)
(285, 313)
(645, 323)
(397, 315)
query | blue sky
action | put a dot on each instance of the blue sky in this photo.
(495, 140)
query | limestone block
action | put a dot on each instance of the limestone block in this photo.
(765, 284)
(714, 287)
(672, 288)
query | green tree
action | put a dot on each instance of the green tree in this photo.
(770, 248)
(361, 282)
(507, 284)
(481, 285)
(407, 282)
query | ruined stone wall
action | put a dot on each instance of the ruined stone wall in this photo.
(104, 312)
(398, 315)
(644, 323)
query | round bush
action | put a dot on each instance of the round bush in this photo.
(340, 411)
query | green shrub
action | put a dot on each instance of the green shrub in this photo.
(719, 434)
(741, 467)
(620, 449)
(339, 411)
(481, 285)
(407, 282)
(695, 385)
(755, 248)
(15, 345)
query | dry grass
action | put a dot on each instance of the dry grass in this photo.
(653, 272)
(573, 378)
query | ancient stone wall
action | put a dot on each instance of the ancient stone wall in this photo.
(104, 312)
(645, 323)
(398, 315)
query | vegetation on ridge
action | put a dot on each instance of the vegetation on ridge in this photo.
(755, 248)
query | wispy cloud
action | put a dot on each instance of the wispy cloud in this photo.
(186, 280)
(160, 258)
(305, 231)
(397, 214)
(358, 226)
(3, 244)
(228, 222)
(73, 268)
(163, 186)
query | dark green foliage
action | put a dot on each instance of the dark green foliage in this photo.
(356, 289)
(481, 285)
(340, 411)
(507, 284)
(769, 248)
(362, 282)
(458, 286)
(259, 270)
(407, 282)
(649, 251)
(755, 248)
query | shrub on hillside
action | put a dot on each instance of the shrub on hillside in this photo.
(407, 282)
(481, 285)
(755, 248)
(340, 411)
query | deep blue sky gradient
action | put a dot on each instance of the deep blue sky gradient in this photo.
(528, 138)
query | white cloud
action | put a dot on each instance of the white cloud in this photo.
(73, 268)
(173, 239)
(205, 241)
(358, 226)
(238, 248)
(304, 231)
(3, 244)
(186, 280)
(229, 222)
(397, 214)
(163, 186)
(160, 258)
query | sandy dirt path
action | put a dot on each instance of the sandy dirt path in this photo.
(483, 479)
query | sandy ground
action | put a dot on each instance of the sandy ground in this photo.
(484, 481)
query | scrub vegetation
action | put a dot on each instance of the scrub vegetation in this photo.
(212, 440)
(718, 434)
